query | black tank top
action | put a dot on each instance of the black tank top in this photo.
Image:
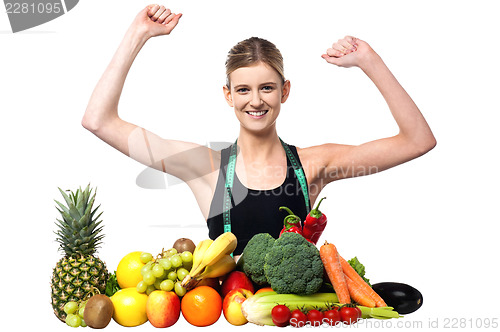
(255, 211)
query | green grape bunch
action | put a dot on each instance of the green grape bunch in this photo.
(74, 313)
(165, 272)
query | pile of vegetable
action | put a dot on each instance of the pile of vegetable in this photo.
(295, 270)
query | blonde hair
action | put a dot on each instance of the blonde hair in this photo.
(251, 51)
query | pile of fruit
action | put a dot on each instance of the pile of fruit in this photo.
(203, 281)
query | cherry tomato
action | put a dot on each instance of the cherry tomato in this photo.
(332, 317)
(350, 315)
(315, 317)
(298, 319)
(280, 324)
(280, 315)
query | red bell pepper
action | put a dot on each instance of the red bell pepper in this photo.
(291, 222)
(314, 224)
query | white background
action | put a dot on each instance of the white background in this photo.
(429, 223)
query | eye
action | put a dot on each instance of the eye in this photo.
(242, 90)
(268, 88)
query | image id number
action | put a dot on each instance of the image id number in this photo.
(32, 8)
(461, 323)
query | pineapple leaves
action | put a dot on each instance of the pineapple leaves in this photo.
(66, 197)
(82, 199)
(88, 207)
(92, 229)
(93, 212)
(96, 242)
(64, 212)
(79, 230)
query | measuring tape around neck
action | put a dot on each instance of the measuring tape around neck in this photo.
(228, 188)
(299, 172)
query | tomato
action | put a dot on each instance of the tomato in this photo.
(315, 317)
(360, 314)
(350, 315)
(332, 317)
(280, 324)
(280, 315)
(298, 319)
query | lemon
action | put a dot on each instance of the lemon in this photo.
(128, 272)
(129, 307)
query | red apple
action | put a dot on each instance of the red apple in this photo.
(231, 306)
(236, 279)
(163, 308)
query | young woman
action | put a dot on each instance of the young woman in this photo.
(242, 187)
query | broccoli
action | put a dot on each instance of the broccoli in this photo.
(293, 266)
(253, 257)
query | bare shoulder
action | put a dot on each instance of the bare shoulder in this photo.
(322, 155)
(320, 162)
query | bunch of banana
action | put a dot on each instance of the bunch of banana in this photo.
(211, 259)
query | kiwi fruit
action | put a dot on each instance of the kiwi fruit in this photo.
(184, 244)
(211, 282)
(98, 311)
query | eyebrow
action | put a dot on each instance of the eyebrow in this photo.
(245, 85)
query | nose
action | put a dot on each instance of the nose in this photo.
(256, 100)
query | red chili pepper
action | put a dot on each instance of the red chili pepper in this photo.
(291, 222)
(314, 224)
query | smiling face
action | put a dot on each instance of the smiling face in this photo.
(256, 94)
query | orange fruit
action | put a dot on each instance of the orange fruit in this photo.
(201, 306)
(265, 289)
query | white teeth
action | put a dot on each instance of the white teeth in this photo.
(257, 113)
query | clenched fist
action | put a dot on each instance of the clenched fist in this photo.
(348, 52)
(156, 20)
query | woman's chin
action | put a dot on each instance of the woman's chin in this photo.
(258, 129)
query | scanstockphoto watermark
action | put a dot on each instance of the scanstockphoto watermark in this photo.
(206, 161)
(364, 323)
(433, 323)
(26, 14)
(430, 323)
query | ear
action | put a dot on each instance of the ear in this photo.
(227, 95)
(285, 91)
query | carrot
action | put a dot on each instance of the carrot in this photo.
(330, 258)
(358, 294)
(351, 273)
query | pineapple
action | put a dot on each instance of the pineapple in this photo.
(79, 272)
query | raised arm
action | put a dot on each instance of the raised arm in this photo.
(101, 116)
(414, 139)
(193, 163)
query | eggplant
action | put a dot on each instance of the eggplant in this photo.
(402, 297)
